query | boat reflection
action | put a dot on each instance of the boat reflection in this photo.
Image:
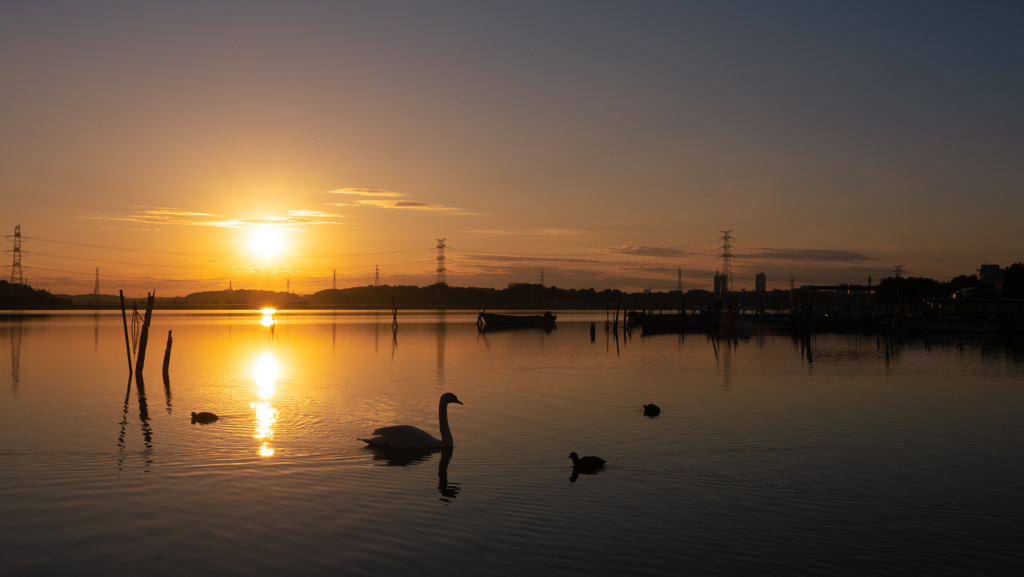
(406, 457)
(264, 413)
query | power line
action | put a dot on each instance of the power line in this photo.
(178, 253)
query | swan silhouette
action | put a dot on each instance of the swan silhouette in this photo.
(409, 437)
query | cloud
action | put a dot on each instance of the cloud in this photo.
(504, 258)
(535, 232)
(813, 255)
(687, 272)
(366, 192)
(164, 216)
(406, 204)
(175, 212)
(311, 213)
(644, 250)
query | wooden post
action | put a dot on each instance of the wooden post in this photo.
(140, 360)
(127, 344)
(167, 354)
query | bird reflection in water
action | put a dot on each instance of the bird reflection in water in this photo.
(406, 457)
(264, 412)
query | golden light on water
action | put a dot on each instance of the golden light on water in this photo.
(264, 412)
(268, 316)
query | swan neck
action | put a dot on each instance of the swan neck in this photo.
(442, 417)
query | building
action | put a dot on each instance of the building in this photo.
(991, 275)
(760, 283)
(721, 285)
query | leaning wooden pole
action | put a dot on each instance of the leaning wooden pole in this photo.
(140, 360)
(127, 343)
(167, 354)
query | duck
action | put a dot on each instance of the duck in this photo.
(652, 410)
(410, 437)
(586, 464)
(203, 418)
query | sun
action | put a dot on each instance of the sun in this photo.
(266, 242)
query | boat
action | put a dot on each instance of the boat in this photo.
(673, 323)
(949, 324)
(495, 320)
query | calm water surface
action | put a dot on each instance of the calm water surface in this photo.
(864, 456)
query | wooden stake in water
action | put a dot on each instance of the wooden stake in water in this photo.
(127, 345)
(167, 354)
(140, 361)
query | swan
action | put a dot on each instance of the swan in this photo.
(409, 437)
(652, 410)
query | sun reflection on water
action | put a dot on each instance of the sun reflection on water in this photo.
(265, 413)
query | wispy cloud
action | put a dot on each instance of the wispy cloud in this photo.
(534, 232)
(813, 255)
(312, 213)
(176, 216)
(644, 250)
(406, 204)
(504, 258)
(366, 192)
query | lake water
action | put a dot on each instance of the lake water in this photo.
(846, 455)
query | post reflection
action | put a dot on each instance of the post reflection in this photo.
(264, 413)
(16, 332)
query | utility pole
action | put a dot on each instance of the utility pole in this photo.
(16, 276)
(726, 261)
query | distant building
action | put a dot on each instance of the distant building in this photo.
(991, 275)
(721, 285)
(760, 283)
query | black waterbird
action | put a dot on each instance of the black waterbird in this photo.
(203, 418)
(652, 410)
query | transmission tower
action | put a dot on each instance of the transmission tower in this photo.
(376, 277)
(791, 284)
(541, 277)
(96, 287)
(334, 280)
(16, 277)
(726, 260)
(679, 283)
(230, 288)
(897, 270)
(288, 285)
(441, 279)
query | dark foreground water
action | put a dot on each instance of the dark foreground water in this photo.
(865, 457)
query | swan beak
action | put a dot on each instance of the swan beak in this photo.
(457, 401)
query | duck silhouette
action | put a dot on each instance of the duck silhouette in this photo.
(203, 418)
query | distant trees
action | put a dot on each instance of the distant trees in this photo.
(1013, 281)
(19, 296)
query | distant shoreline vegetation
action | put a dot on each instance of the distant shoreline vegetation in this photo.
(515, 296)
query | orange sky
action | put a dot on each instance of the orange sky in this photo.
(608, 144)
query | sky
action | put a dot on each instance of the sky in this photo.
(182, 146)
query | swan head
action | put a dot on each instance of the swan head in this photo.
(449, 398)
(574, 456)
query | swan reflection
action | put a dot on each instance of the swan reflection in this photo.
(264, 412)
(406, 457)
